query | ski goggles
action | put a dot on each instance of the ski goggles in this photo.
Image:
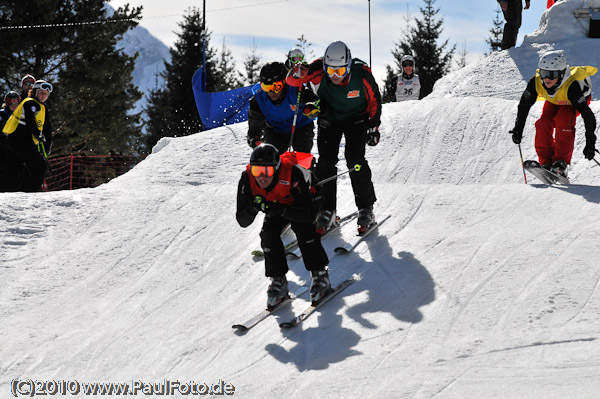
(259, 170)
(45, 86)
(545, 74)
(339, 71)
(274, 87)
(407, 63)
(296, 59)
(12, 101)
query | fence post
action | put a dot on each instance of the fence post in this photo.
(71, 172)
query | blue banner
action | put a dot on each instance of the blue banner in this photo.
(223, 107)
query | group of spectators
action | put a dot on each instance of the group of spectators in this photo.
(26, 136)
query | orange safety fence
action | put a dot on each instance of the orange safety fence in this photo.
(72, 171)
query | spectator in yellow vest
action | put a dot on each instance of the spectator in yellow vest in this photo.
(29, 138)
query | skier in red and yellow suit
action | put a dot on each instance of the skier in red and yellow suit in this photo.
(567, 92)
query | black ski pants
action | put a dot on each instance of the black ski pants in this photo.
(513, 16)
(309, 243)
(20, 149)
(303, 139)
(328, 143)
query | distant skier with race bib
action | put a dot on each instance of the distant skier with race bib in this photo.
(407, 85)
(567, 93)
(275, 185)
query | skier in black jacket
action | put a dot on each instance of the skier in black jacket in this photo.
(281, 189)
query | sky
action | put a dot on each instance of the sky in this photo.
(477, 286)
(273, 26)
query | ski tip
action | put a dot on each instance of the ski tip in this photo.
(239, 327)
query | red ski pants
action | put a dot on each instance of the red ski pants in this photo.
(552, 147)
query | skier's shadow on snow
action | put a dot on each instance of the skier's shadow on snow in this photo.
(589, 193)
(397, 285)
(316, 348)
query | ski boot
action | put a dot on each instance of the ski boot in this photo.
(366, 219)
(320, 285)
(325, 221)
(277, 292)
(560, 168)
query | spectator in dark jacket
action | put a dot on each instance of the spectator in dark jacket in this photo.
(512, 10)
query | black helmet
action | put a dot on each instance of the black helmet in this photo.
(265, 155)
(273, 72)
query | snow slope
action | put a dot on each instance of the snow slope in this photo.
(479, 286)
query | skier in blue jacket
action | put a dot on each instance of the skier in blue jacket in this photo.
(273, 109)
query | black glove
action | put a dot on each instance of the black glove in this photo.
(254, 141)
(517, 135)
(311, 110)
(272, 209)
(589, 151)
(257, 202)
(373, 136)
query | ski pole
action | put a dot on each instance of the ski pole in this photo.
(522, 164)
(356, 168)
(594, 159)
(295, 118)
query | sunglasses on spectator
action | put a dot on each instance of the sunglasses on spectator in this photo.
(407, 63)
(12, 101)
(545, 74)
(339, 71)
(258, 170)
(27, 83)
(274, 87)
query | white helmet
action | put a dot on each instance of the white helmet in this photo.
(407, 57)
(553, 61)
(553, 65)
(337, 54)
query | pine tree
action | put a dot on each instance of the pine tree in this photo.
(73, 45)
(462, 56)
(227, 69)
(305, 46)
(388, 91)
(252, 66)
(496, 32)
(96, 112)
(432, 59)
(172, 109)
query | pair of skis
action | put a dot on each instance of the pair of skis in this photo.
(297, 319)
(544, 175)
(313, 307)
